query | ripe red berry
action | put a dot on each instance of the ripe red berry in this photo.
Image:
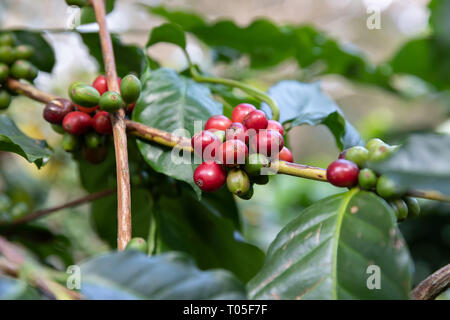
(218, 122)
(130, 108)
(87, 110)
(100, 84)
(240, 111)
(342, 173)
(209, 176)
(275, 125)
(201, 140)
(77, 122)
(232, 152)
(56, 110)
(286, 155)
(102, 123)
(267, 142)
(236, 130)
(256, 120)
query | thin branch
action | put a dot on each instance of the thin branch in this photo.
(119, 132)
(433, 285)
(167, 139)
(41, 213)
(29, 91)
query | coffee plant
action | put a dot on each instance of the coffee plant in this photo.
(163, 157)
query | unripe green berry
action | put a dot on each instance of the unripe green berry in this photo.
(5, 99)
(92, 139)
(58, 128)
(70, 142)
(261, 179)
(374, 143)
(138, 244)
(380, 153)
(219, 134)
(22, 69)
(23, 51)
(248, 195)
(18, 210)
(79, 3)
(84, 95)
(400, 209)
(387, 188)
(6, 54)
(6, 39)
(130, 88)
(255, 162)
(413, 206)
(238, 182)
(4, 72)
(357, 155)
(111, 101)
(367, 179)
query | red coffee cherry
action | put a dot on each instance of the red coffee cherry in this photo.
(209, 176)
(56, 110)
(232, 153)
(275, 125)
(218, 122)
(130, 108)
(240, 111)
(256, 120)
(77, 122)
(342, 173)
(203, 139)
(102, 123)
(87, 110)
(101, 84)
(237, 131)
(267, 142)
(286, 155)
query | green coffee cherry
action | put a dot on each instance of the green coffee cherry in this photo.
(261, 179)
(357, 155)
(255, 162)
(70, 142)
(138, 244)
(238, 182)
(248, 195)
(367, 179)
(6, 54)
(84, 95)
(220, 134)
(130, 88)
(5, 202)
(380, 153)
(92, 139)
(58, 128)
(6, 39)
(19, 210)
(4, 72)
(79, 3)
(23, 51)
(111, 101)
(72, 87)
(400, 209)
(387, 188)
(374, 143)
(413, 206)
(5, 99)
(22, 69)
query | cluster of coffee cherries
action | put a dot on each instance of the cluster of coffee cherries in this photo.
(349, 171)
(10, 210)
(234, 151)
(87, 117)
(14, 63)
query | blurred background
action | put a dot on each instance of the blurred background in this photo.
(375, 112)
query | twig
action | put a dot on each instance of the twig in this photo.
(40, 213)
(293, 169)
(29, 91)
(433, 285)
(119, 132)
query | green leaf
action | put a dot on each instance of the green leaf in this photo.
(88, 14)
(325, 253)
(14, 289)
(167, 32)
(422, 163)
(43, 57)
(171, 102)
(305, 103)
(129, 58)
(205, 230)
(14, 140)
(133, 275)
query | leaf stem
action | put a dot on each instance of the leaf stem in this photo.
(119, 132)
